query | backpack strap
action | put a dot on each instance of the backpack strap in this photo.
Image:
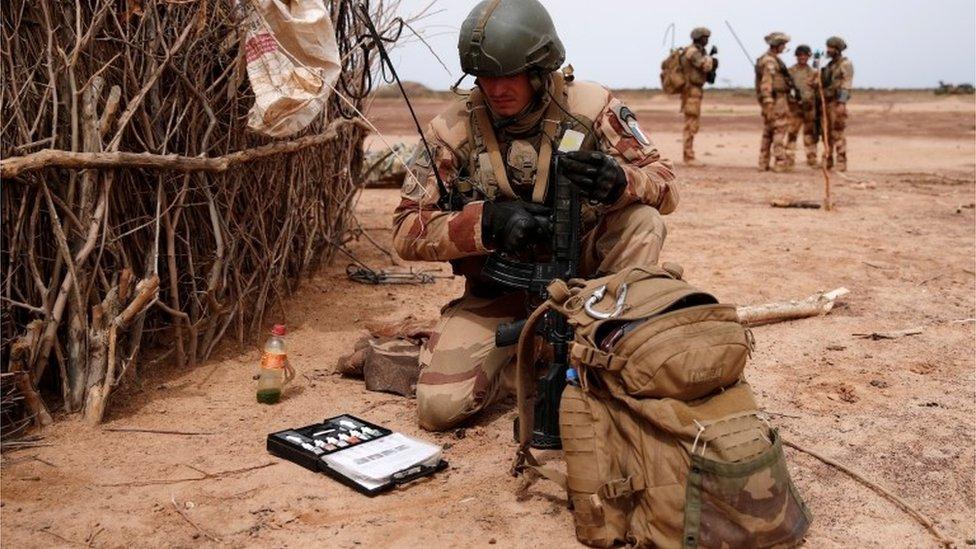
(483, 130)
(525, 383)
(550, 127)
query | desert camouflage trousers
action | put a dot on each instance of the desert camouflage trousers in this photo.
(837, 124)
(691, 100)
(462, 370)
(775, 125)
(802, 117)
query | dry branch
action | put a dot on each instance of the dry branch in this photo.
(47, 158)
(781, 311)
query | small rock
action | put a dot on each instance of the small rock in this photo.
(929, 404)
(460, 433)
(836, 347)
(447, 445)
(879, 383)
(196, 535)
(493, 541)
(971, 541)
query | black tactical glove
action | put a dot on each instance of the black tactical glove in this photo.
(596, 174)
(512, 226)
(714, 50)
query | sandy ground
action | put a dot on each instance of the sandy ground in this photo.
(903, 239)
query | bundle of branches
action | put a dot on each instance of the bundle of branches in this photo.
(139, 215)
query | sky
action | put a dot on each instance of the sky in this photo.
(620, 43)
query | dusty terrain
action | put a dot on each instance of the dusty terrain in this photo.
(903, 239)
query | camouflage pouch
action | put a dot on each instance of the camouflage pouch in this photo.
(743, 504)
(657, 455)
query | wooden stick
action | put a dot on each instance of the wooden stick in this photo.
(156, 431)
(902, 504)
(204, 476)
(780, 311)
(12, 167)
(825, 134)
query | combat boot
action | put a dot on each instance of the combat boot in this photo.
(692, 163)
(782, 168)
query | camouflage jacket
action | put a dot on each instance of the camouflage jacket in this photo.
(838, 76)
(696, 64)
(805, 79)
(423, 231)
(771, 78)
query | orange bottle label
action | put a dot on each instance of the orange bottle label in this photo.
(273, 361)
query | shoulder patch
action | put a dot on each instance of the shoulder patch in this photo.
(628, 120)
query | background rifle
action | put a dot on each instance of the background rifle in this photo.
(710, 77)
(535, 278)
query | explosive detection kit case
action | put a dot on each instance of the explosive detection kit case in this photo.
(362, 455)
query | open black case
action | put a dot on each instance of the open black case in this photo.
(318, 447)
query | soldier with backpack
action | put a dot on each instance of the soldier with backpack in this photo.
(686, 71)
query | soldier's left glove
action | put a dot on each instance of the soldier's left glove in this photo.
(597, 175)
(714, 50)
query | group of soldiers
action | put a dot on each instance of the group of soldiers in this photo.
(790, 98)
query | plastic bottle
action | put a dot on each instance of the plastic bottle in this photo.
(572, 377)
(275, 371)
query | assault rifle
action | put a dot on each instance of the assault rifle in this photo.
(535, 278)
(710, 77)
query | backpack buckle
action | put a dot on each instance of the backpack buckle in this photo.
(598, 296)
(622, 487)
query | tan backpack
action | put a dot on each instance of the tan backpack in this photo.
(662, 439)
(673, 79)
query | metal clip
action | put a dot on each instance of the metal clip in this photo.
(598, 296)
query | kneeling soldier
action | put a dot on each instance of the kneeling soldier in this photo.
(492, 149)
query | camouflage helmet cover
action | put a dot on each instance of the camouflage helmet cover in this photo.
(699, 32)
(777, 38)
(803, 49)
(836, 42)
(506, 37)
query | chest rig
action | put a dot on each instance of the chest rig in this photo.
(490, 171)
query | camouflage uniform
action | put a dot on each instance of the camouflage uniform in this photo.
(462, 370)
(803, 114)
(838, 81)
(696, 65)
(773, 92)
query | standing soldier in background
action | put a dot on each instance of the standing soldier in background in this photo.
(838, 80)
(804, 111)
(773, 89)
(699, 68)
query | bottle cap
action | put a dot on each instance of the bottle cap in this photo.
(278, 330)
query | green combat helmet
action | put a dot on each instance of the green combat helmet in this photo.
(837, 43)
(506, 37)
(700, 32)
(777, 38)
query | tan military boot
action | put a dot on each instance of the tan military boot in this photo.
(782, 168)
(692, 163)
